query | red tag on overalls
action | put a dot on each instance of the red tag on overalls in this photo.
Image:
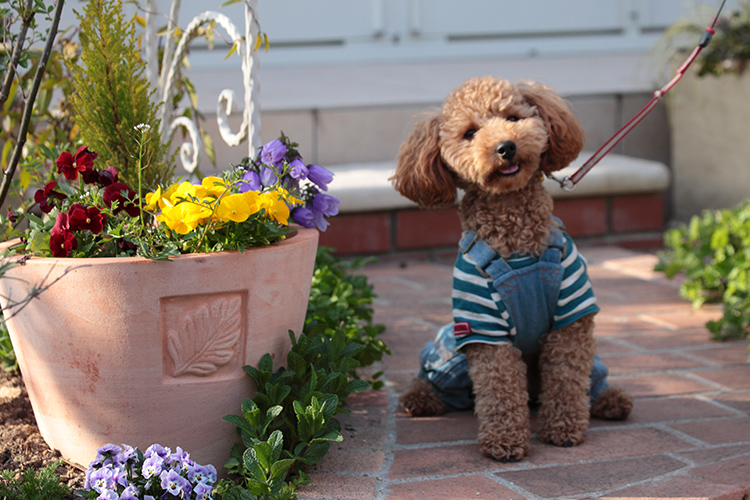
(461, 328)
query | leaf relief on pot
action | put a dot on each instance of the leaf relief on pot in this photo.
(206, 337)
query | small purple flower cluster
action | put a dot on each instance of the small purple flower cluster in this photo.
(279, 159)
(126, 473)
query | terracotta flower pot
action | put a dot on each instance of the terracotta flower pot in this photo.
(710, 150)
(128, 350)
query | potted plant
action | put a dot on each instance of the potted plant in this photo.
(132, 317)
(708, 111)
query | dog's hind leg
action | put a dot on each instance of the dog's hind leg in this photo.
(501, 400)
(565, 363)
(420, 400)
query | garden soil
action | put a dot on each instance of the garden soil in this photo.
(21, 445)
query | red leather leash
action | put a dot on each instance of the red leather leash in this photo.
(568, 183)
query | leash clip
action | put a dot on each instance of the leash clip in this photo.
(566, 183)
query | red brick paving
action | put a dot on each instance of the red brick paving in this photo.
(688, 436)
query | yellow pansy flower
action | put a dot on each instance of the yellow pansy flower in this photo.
(152, 199)
(184, 191)
(211, 186)
(183, 217)
(234, 207)
(275, 207)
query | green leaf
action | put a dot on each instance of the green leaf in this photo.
(239, 422)
(208, 144)
(263, 453)
(330, 436)
(296, 363)
(266, 363)
(276, 440)
(315, 452)
(33, 218)
(280, 468)
(253, 465)
(232, 50)
(356, 385)
(328, 405)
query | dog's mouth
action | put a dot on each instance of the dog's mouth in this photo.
(509, 170)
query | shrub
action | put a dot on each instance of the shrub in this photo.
(290, 422)
(113, 96)
(44, 484)
(713, 253)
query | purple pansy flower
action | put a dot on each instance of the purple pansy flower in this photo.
(202, 491)
(273, 152)
(321, 222)
(250, 182)
(173, 483)
(319, 176)
(304, 217)
(101, 479)
(152, 466)
(326, 204)
(268, 177)
(129, 493)
(158, 450)
(127, 453)
(298, 170)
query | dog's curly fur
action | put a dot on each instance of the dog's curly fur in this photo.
(505, 203)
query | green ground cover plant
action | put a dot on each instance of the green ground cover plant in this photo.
(33, 485)
(290, 422)
(712, 252)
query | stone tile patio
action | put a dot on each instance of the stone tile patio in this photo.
(688, 436)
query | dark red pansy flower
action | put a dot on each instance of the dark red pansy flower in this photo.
(45, 197)
(90, 176)
(123, 195)
(83, 218)
(126, 246)
(70, 165)
(62, 224)
(41, 200)
(107, 176)
(62, 243)
(118, 191)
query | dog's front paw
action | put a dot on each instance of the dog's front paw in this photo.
(564, 434)
(505, 447)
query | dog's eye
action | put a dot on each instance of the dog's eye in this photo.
(512, 118)
(469, 134)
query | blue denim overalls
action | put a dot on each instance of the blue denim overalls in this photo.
(538, 284)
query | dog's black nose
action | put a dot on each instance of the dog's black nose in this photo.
(507, 150)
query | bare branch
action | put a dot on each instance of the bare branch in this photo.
(27, 110)
(15, 56)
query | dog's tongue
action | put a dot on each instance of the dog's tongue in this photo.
(510, 169)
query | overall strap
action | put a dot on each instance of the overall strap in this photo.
(556, 244)
(489, 263)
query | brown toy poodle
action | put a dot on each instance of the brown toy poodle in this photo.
(495, 141)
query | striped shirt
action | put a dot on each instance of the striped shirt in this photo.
(477, 303)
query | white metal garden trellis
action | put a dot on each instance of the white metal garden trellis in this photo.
(165, 81)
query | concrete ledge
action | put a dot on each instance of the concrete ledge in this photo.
(364, 187)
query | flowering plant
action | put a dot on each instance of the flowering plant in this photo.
(127, 473)
(89, 213)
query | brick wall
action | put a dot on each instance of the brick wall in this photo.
(633, 221)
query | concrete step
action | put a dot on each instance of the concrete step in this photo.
(621, 201)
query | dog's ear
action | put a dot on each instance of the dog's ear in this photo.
(566, 137)
(421, 174)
